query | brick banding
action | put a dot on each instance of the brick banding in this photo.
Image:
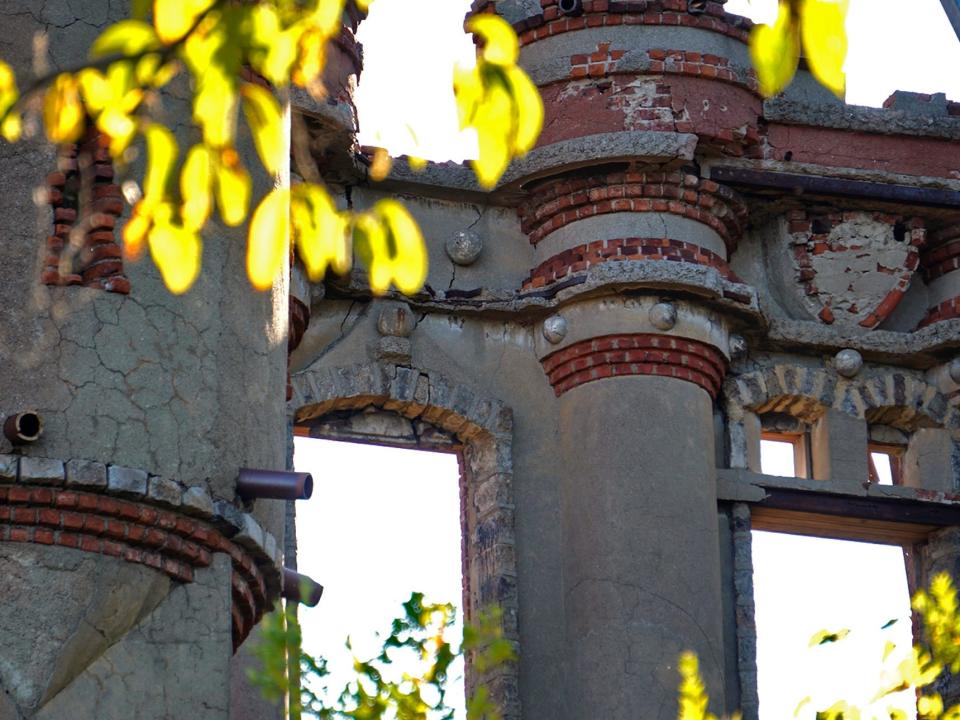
(604, 62)
(85, 176)
(941, 260)
(169, 542)
(636, 354)
(557, 203)
(607, 13)
(947, 310)
(583, 257)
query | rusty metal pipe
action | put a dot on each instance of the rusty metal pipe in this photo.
(300, 588)
(23, 428)
(276, 484)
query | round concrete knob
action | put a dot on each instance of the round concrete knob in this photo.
(396, 320)
(954, 370)
(464, 247)
(555, 329)
(663, 316)
(738, 347)
(848, 362)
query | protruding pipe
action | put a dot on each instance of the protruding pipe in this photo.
(23, 428)
(276, 484)
(571, 7)
(696, 7)
(300, 588)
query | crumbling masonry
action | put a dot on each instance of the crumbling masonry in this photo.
(676, 269)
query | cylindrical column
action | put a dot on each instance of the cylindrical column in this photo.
(641, 568)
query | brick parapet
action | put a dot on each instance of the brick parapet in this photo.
(125, 513)
(629, 354)
(583, 257)
(82, 248)
(609, 13)
(556, 203)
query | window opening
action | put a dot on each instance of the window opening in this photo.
(784, 454)
(383, 522)
(803, 585)
(885, 463)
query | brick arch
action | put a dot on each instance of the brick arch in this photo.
(484, 428)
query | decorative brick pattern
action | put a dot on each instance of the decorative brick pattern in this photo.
(635, 354)
(82, 249)
(583, 257)
(557, 203)
(856, 256)
(51, 502)
(604, 61)
(607, 13)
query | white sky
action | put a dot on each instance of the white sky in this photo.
(382, 523)
(411, 45)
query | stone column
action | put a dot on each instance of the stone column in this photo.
(639, 518)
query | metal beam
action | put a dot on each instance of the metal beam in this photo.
(819, 185)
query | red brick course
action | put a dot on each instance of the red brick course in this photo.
(556, 203)
(166, 541)
(86, 253)
(941, 260)
(585, 256)
(607, 13)
(635, 354)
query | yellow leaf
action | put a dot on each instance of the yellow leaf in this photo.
(492, 121)
(266, 123)
(162, 152)
(135, 232)
(825, 41)
(310, 61)
(320, 231)
(775, 51)
(63, 114)
(468, 89)
(176, 251)
(233, 188)
(119, 127)
(371, 244)
(500, 45)
(127, 37)
(888, 648)
(409, 262)
(273, 49)
(268, 242)
(215, 108)
(380, 165)
(529, 109)
(96, 89)
(11, 127)
(196, 178)
(173, 18)
(329, 16)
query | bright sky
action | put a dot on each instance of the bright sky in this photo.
(382, 523)
(410, 47)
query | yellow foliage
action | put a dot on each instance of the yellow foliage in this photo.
(266, 124)
(176, 251)
(389, 242)
(234, 188)
(267, 244)
(196, 180)
(775, 49)
(174, 18)
(320, 231)
(10, 126)
(63, 114)
(380, 165)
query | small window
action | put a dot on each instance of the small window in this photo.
(784, 454)
(885, 464)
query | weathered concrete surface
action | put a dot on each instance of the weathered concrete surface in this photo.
(185, 643)
(72, 606)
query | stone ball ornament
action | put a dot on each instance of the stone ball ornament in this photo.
(464, 247)
(663, 316)
(954, 369)
(848, 363)
(396, 320)
(555, 329)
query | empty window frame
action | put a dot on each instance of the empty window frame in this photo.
(785, 454)
(885, 464)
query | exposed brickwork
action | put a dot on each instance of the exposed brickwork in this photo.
(82, 249)
(608, 13)
(172, 543)
(941, 260)
(635, 354)
(559, 202)
(856, 257)
(588, 255)
(947, 310)
(604, 61)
